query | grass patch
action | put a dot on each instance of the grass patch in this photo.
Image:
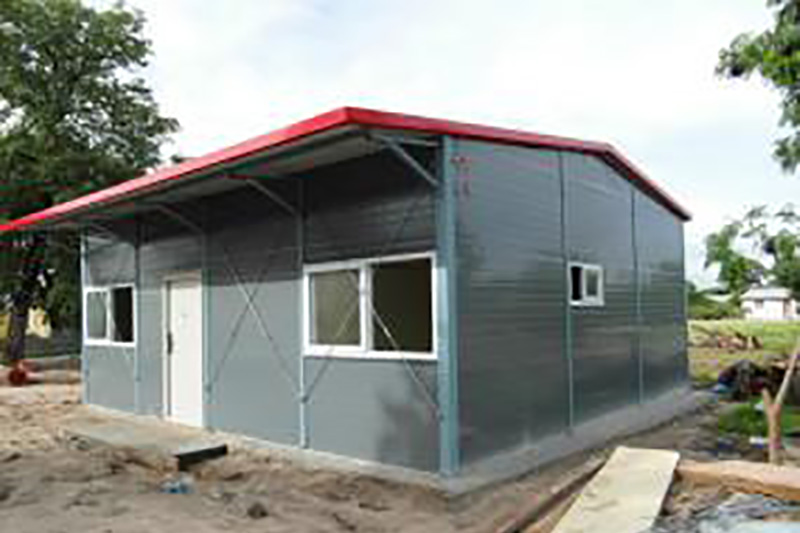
(705, 364)
(745, 419)
(777, 337)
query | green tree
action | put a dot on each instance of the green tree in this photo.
(761, 247)
(703, 307)
(775, 55)
(75, 115)
(737, 272)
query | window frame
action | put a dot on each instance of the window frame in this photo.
(364, 350)
(587, 301)
(108, 340)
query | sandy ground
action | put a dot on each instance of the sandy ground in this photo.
(50, 484)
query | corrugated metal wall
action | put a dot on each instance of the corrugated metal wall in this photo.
(109, 372)
(599, 231)
(374, 410)
(523, 214)
(659, 240)
(512, 369)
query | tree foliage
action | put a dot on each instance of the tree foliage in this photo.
(762, 247)
(702, 305)
(75, 116)
(775, 55)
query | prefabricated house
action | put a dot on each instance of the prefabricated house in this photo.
(396, 289)
(769, 303)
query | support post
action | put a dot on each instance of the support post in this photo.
(137, 327)
(568, 328)
(447, 324)
(303, 394)
(205, 297)
(637, 287)
(84, 326)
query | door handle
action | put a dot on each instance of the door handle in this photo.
(169, 343)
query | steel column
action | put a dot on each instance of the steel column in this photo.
(137, 326)
(637, 287)
(302, 395)
(447, 326)
(84, 317)
(568, 327)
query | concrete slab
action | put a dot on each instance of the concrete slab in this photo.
(159, 443)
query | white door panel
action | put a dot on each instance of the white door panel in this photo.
(184, 337)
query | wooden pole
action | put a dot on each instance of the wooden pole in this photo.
(773, 408)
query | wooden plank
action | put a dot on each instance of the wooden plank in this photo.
(542, 504)
(625, 496)
(760, 478)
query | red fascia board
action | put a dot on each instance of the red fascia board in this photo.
(252, 146)
(330, 120)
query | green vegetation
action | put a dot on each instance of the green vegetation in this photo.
(777, 337)
(758, 249)
(706, 362)
(745, 419)
(75, 115)
(703, 307)
(773, 54)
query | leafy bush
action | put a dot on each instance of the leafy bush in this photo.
(745, 419)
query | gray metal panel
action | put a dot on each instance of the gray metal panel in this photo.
(110, 376)
(374, 410)
(167, 248)
(109, 370)
(599, 231)
(376, 207)
(366, 207)
(661, 275)
(511, 290)
(253, 376)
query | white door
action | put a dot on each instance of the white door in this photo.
(184, 350)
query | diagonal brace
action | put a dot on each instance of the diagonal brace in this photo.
(179, 217)
(397, 149)
(266, 191)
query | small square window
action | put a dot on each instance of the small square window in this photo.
(586, 284)
(122, 314)
(335, 311)
(401, 296)
(592, 277)
(576, 283)
(97, 315)
(109, 314)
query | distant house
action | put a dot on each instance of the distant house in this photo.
(769, 303)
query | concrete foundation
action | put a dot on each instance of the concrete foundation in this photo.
(167, 440)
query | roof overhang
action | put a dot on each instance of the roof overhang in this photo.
(331, 136)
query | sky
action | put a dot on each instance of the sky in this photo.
(638, 74)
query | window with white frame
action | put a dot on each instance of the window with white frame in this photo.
(109, 315)
(379, 307)
(586, 284)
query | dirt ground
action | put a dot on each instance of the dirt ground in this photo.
(49, 484)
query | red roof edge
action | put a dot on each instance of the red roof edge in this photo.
(333, 119)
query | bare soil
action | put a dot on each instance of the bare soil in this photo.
(50, 484)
